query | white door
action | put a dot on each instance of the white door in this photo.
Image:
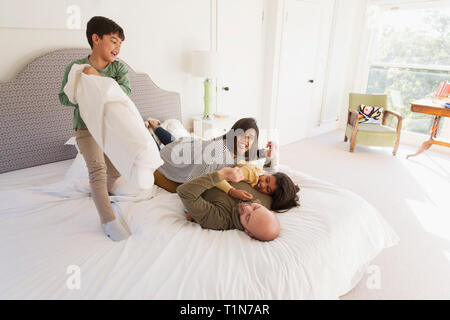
(305, 31)
(239, 42)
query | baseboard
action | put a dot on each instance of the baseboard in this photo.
(324, 127)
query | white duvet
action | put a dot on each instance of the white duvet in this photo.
(115, 124)
(321, 253)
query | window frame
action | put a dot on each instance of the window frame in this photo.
(367, 58)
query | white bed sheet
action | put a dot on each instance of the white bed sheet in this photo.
(322, 251)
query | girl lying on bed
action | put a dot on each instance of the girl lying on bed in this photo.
(279, 186)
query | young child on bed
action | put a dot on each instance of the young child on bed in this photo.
(105, 38)
(278, 185)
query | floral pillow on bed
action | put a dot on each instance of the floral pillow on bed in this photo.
(369, 114)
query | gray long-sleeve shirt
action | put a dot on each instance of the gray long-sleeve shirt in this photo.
(188, 158)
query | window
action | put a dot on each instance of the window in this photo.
(411, 57)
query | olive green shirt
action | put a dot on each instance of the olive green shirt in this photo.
(211, 207)
(116, 70)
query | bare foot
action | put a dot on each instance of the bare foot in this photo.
(154, 124)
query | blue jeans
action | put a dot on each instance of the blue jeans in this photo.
(165, 136)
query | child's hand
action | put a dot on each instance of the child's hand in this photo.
(189, 218)
(90, 70)
(272, 149)
(240, 194)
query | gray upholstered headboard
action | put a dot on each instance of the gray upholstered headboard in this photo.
(34, 125)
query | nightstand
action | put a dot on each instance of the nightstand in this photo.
(208, 129)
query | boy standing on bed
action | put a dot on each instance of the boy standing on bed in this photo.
(105, 38)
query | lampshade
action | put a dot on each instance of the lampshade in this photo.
(205, 64)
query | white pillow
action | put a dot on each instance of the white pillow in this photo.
(76, 181)
(173, 126)
(79, 188)
(78, 169)
(121, 187)
(176, 128)
(72, 142)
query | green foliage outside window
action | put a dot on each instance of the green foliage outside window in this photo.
(426, 42)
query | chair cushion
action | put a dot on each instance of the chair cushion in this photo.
(376, 128)
(369, 134)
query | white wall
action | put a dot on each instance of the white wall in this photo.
(159, 36)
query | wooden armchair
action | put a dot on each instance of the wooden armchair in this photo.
(370, 134)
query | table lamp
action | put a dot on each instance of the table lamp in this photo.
(205, 64)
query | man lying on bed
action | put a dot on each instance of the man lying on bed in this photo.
(214, 209)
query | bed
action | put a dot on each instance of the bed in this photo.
(49, 238)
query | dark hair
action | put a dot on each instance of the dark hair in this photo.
(101, 26)
(285, 196)
(230, 137)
